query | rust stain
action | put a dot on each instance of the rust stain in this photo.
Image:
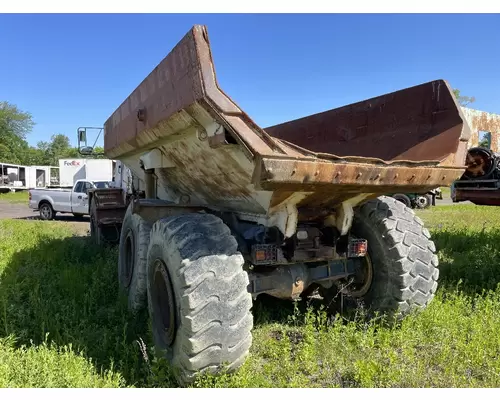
(483, 121)
(418, 123)
(310, 176)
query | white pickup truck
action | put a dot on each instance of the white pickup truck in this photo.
(72, 201)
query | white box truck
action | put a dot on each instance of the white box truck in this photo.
(73, 169)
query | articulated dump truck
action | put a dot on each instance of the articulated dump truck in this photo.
(223, 210)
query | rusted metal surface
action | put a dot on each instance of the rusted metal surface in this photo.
(216, 155)
(330, 184)
(480, 163)
(480, 183)
(478, 197)
(419, 123)
(483, 121)
(109, 207)
(288, 282)
(152, 210)
(108, 198)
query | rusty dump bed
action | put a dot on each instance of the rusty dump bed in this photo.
(209, 151)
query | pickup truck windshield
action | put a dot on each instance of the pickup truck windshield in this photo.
(102, 185)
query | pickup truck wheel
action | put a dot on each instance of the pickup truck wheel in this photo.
(132, 259)
(401, 257)
(46, 211)
(199, 304)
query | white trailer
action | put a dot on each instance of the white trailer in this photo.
(73, 169)
(38, 176)
(12, 177)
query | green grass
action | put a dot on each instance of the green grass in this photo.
(59, 301)
(446, 192)
(15, 197)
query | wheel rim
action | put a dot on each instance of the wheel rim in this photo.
(45, 211)
(129, 258)
(362, 279)
(422, 201)
(163, 303)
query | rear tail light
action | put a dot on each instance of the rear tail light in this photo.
(357, 248)
(264, 254)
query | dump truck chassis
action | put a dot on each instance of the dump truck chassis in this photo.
(399, 248)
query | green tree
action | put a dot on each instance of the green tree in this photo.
(14, 126)
(464, 101)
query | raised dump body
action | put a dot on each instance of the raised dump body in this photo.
(211, 152)
(233, 211)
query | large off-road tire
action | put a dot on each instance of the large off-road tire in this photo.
(132, 259)
(199, 304)
(404, 266)
(46, 211)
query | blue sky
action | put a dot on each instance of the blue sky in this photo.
(74, 70)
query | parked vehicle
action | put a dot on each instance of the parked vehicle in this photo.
(49, 202)
(12, 177)
(223, 211)
(419, 200)
(41, 176)
(73, 169)
(21, 177)
(480, 183)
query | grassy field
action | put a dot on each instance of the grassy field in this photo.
(64, 324)
(446, 192)
(15, 197)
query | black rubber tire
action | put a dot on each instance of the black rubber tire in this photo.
(132, 259)
(426, 205)
(209, 302)
(403, 198)
(46, 211)
(405, 266)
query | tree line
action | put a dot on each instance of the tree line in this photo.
(15, 126)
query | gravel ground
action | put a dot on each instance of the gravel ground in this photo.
(21, 211)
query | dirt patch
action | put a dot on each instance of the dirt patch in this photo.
(81, 226)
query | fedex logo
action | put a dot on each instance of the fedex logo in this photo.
(73, 163)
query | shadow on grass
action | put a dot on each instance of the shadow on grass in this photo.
(469, 261)
(67, 288)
